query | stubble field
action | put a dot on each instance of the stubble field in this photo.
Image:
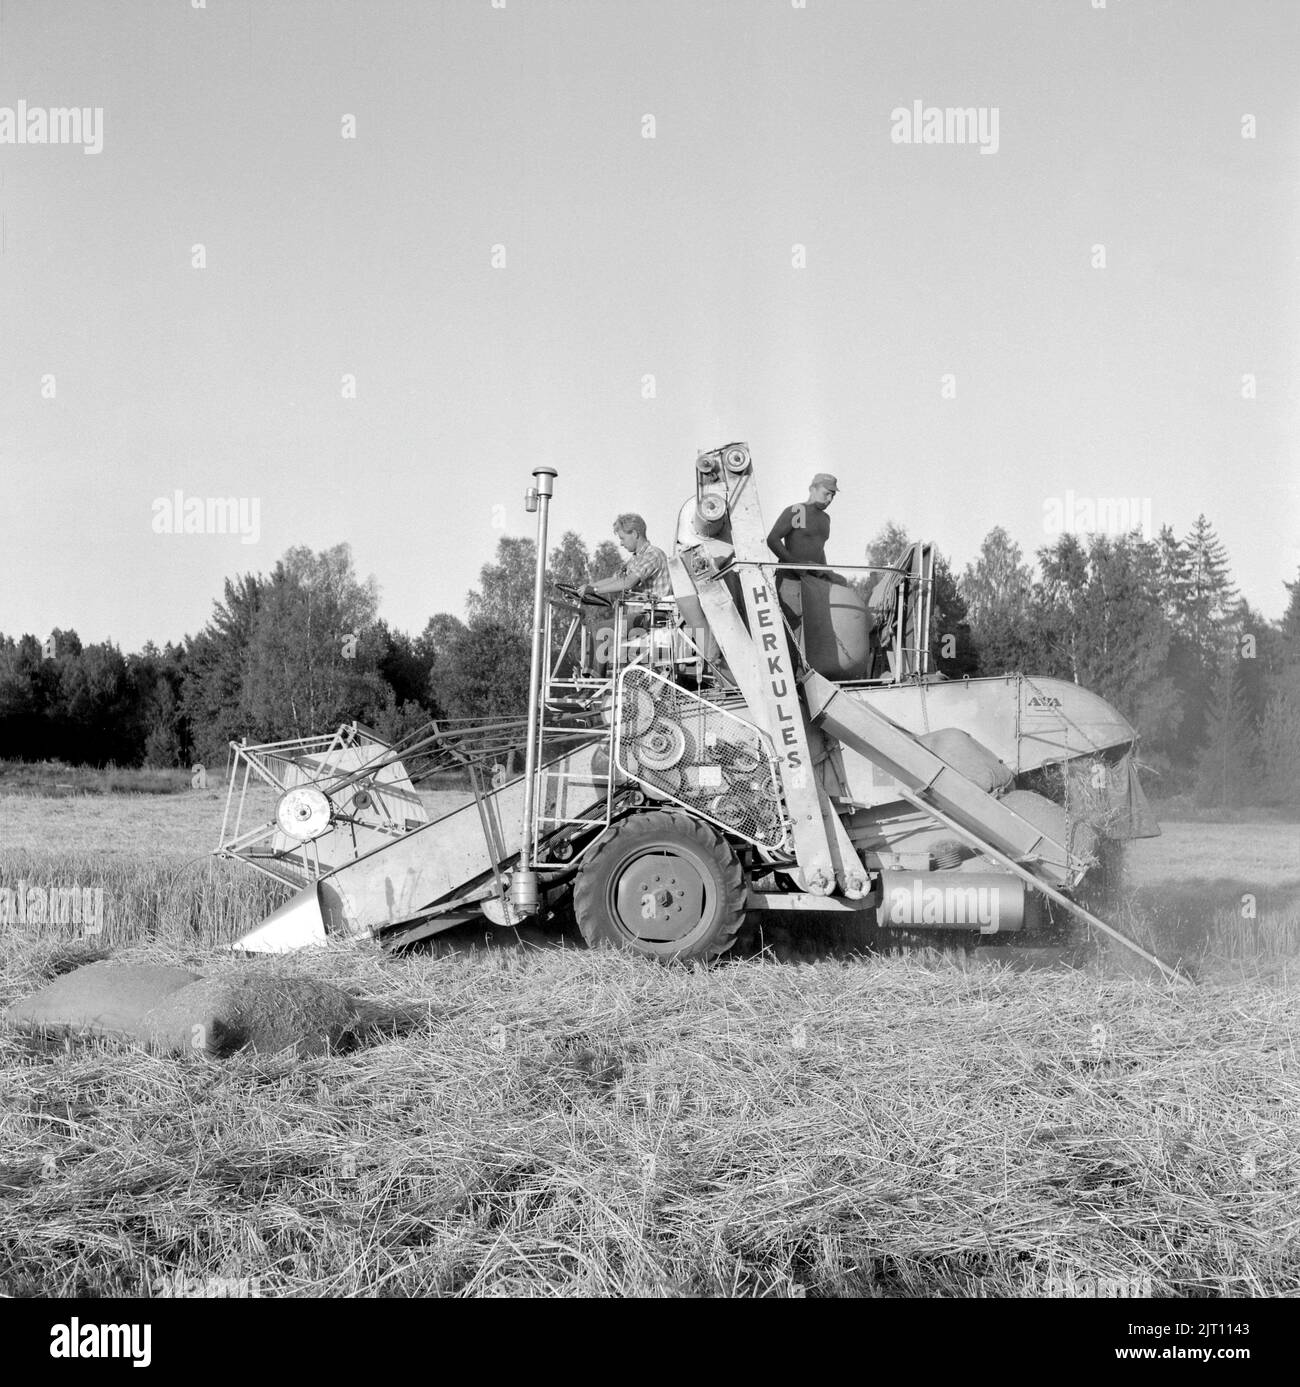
(806, 1120)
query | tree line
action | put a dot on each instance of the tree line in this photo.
(1155, 626)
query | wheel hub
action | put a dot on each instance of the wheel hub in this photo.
(303, 813)
(659, 896)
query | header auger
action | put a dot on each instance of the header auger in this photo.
(728, 760)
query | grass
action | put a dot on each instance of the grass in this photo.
(561, 1121)
(1186, 809)
(55, 779)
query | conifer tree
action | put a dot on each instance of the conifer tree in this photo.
(1279, 747)
(1228, 765)
(1175, 574)
(1209, 603)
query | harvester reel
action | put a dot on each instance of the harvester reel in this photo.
(303, 813)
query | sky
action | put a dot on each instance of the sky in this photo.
(275, 280)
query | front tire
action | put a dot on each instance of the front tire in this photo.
(662, 884)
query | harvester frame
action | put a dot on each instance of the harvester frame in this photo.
(732, 758)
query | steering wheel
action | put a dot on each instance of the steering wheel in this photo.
(597, 599)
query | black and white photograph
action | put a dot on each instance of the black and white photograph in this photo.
(649, 649)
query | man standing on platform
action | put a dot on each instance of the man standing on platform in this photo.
(799, 536)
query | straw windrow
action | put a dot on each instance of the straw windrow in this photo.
(558, 1121)
(589, 1123)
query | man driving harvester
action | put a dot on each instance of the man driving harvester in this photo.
(645, 574)
(799, 536)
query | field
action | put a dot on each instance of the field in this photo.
(807, 1119)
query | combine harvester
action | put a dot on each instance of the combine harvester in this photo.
(729, 762)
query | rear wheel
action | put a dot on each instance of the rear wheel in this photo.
(662, 884)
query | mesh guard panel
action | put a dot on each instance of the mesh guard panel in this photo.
(682, 748)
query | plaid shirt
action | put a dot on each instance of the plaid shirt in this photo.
(650, 569)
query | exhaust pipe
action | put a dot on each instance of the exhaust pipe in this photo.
(525, 893)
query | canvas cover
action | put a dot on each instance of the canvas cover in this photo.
(972, 758)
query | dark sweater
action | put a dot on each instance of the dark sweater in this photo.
(804, 530)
